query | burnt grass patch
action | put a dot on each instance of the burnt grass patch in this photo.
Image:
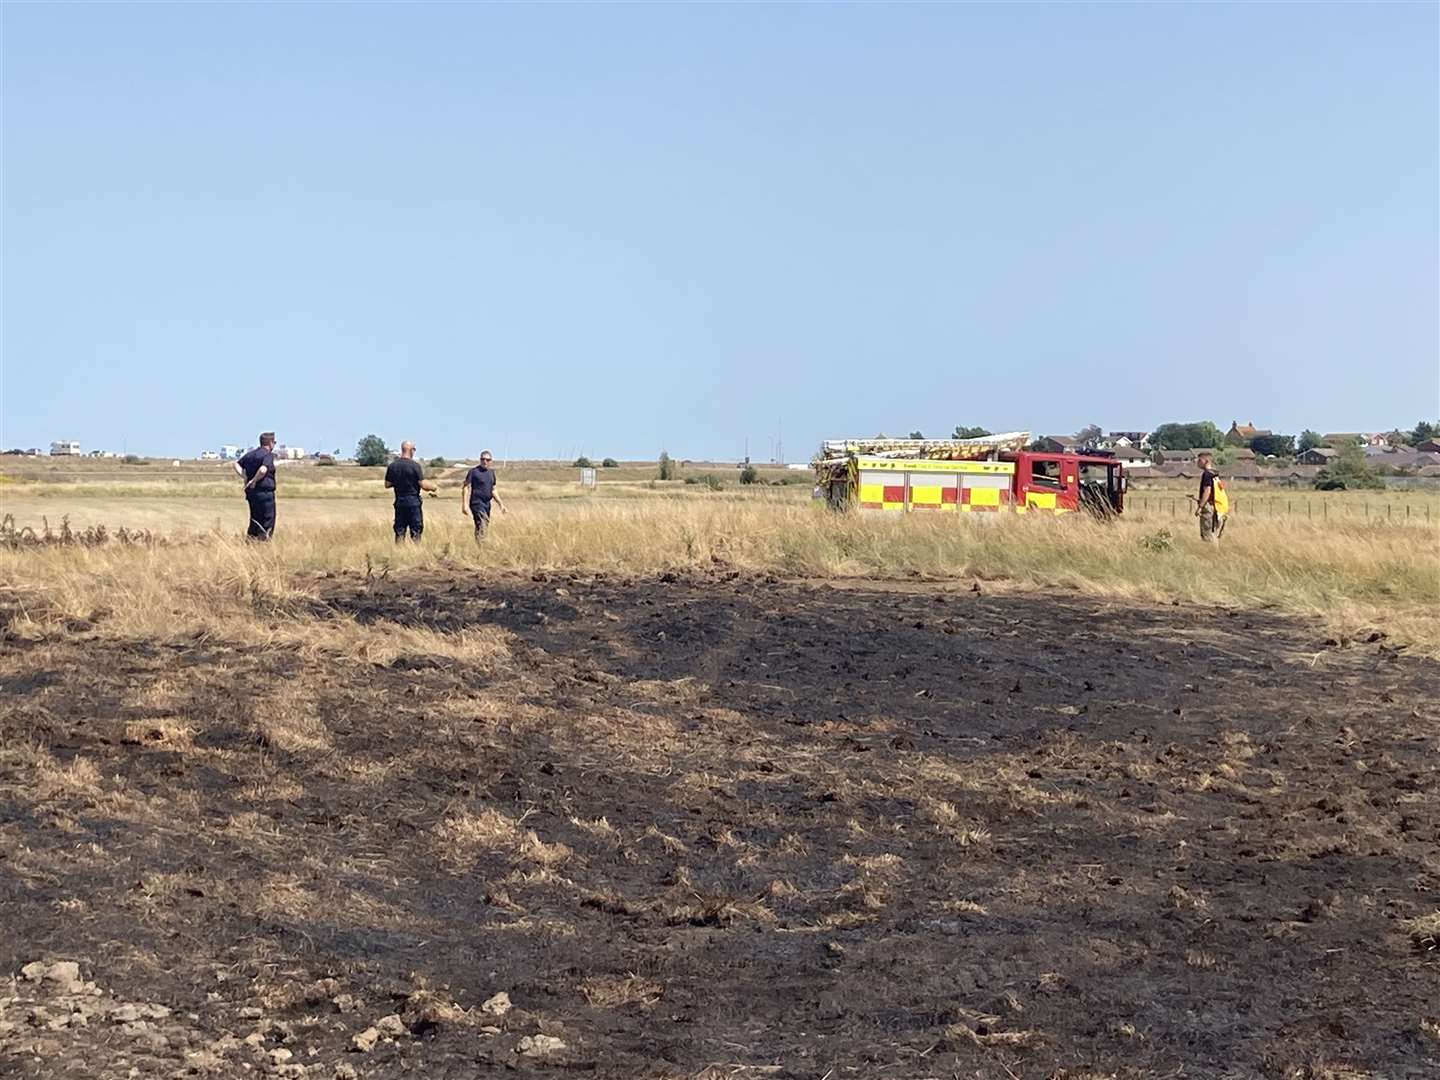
(711, 827)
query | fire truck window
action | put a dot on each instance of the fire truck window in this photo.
(1045, 474)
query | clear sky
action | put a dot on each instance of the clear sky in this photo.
(612, 229)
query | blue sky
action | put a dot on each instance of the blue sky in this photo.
(612, 229)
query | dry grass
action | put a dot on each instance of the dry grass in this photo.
(1348, 579)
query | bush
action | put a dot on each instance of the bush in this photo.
(583, 462)
(1162, 540)
(667, 467)
(326, 461)
(134, 459)
(609, 463)
(749, 475)
(963, 432)
(438, 463)
(371, 450)
(1348, 472)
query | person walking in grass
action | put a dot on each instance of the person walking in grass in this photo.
(407, 479)
(257, 469)
(1213, 505)
(479, 492)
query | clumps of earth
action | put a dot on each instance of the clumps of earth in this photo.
(54, 1021)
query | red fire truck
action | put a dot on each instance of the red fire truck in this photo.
(990, 475)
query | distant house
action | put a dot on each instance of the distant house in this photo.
(1241, 434)
(1429, 472)
(209, 455)
(1342, 438)
(65, 448)
(1138, 439)
(1133, 457)
(230, 452)
(1240, 453)
(1173, 457)
(1319, 455)
(1057, 444)
(1429, 446)
(289, 453)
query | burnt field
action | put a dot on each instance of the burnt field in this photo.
(707, 827)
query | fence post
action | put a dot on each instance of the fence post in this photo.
(1388, 514)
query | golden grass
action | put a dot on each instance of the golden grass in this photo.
(1345, 578)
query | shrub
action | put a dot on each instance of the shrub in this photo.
(134, 459)
(371, 450)
(1349, 471)
(749, 475)
(609, 463)
(438, 463)
(667, 467)
(963, 432)
(583, 462)
(1161, 540)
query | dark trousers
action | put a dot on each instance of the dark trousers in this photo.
(480, 514)
(409, 517)
(262, 514)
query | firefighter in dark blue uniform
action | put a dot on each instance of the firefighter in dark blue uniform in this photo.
(407, 479)
(257, 469)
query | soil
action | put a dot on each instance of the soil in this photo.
(724, 827)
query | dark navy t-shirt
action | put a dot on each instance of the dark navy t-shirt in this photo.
(482, 484)
(404, 475)
(251, 463)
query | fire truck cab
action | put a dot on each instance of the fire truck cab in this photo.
(1068, 482)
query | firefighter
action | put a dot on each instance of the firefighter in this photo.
(257, 469)
(407, 479)
(478, 492)
(1213, 505)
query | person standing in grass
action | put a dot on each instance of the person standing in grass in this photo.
(407, 479)
(1213, 504)
(479, 492)
(257, 469)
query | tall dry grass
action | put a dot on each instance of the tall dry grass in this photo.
(1341, 577)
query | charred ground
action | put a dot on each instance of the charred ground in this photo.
(724, 827)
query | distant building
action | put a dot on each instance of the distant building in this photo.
(65, 448)
(290, 453)
(1057, 444)
(1429, 446)
(1133, 457)
(230, 453)
(1317, 455)
(1343, 438)
(209, 455)
(1137, 439)
(1241, 434)
(1240, 453)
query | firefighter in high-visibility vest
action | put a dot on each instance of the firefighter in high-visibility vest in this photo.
(1213, 505)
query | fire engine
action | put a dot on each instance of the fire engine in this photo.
(994, 474)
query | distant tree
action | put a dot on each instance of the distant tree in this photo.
(1348, 472)
(917, 434)
(1193, 436)
(749, 475)
(962, 432)
(371, 450)
(609, 463)
(583, 462)
(438, 463)
(1424, 431)
(1089, 436)
(667, 467)
(1274, 445)
(1309, 440)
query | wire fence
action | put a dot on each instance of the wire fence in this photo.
(1311, 508)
